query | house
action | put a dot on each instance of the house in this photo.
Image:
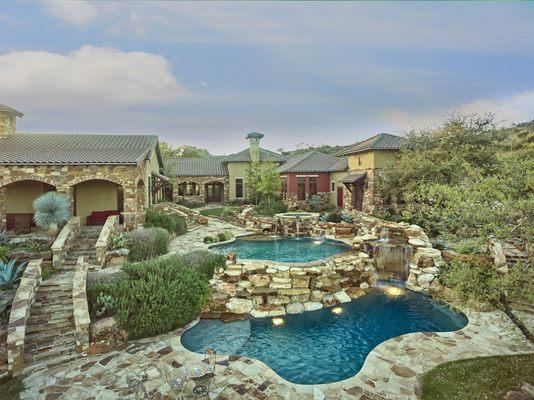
(217, 179)
(100, 174)
(366, 160)
(312, 174)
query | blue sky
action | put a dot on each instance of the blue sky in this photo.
(205, 74)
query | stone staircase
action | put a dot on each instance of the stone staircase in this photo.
(83, 246)
(50, 333)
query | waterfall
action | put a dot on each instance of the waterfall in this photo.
(297, 226)
(392, 258)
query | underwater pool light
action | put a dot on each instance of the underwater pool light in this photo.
(337, 310)
(394, 291)
(278, 321)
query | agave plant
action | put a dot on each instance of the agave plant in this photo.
(4, 237)
(51, 211)
(10, 273)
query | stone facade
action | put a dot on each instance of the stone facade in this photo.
(293, 203)
(268, 289)
(201, 181)
(65, 177)
(80, 308)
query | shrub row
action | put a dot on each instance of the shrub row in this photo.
(220, 237)
(147, 243)
(173, 223)
(156, 296)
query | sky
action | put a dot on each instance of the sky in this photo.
(207, 73)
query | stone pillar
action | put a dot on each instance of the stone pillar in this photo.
(130, 206)
(3, 199)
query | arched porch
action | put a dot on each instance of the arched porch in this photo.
(16, 203)
(94, 200)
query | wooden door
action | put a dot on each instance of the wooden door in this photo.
(340, 197)
(214, 192)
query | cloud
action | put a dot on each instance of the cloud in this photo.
(508, 109)
(92, 78)
(79, 12)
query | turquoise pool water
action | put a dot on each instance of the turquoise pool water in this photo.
(282, 249)
(321, 346)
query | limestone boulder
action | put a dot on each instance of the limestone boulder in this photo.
(316, 296)
(259, 280)
(355, 292)
(294, 308)
(278, 300)
(425, 279)
(312, 306)
(364, 285)
(239, 306)
(342, 297)
(267, 310)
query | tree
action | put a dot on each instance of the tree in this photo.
(168, 151)
(264, 180)
(467, 179)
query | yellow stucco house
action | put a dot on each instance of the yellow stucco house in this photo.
(101, 174)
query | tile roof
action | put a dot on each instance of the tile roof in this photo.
(265, 155)
(8, 109)
(314, 161)
(354, 177)
(197, 166)
(35, 148)
(382, 141)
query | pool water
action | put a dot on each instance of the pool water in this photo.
(282, 249)
(321, 346)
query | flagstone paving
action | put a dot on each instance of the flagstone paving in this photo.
(194, 239)
(391, 370)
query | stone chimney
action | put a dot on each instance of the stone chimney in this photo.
(254, 145)
(8, 120)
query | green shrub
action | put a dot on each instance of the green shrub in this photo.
(224, 236)
(11, 388)
(159, 296)
(116, 241)
(276, 206)
(4, 237)
(11, 273)
(334, 217)
(203, 260)
(209, 240)
(146, 243)
(473, 281)
(3, 253)
(174, 223)
(347, 218)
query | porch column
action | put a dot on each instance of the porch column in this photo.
(3, 199)
(129, 212)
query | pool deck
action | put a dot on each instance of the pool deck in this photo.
(391, 371)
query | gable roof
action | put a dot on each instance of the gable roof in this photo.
(314, 161)
(7, 109)
(197, 166)
(265, 155)
(48, 149)
(382, 141)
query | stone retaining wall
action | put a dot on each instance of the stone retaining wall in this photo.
(110, 227)
(267, 289)
(20, 312)
(80, 308)
(61, 245)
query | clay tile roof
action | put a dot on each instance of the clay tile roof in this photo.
(34, 148)
(265, 155)
(382, 141)
(314, 161)
(197, 166)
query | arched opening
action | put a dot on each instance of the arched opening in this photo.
(214, 192)
(141, 196)
(96, 199)
(187, 189)
(19, 197)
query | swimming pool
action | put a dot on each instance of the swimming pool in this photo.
(282, 249)
(328, 345)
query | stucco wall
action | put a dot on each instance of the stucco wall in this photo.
(237, 170)
(385, 158)
(95, 196)
(363, 160)
(336, 177)
(20, 196)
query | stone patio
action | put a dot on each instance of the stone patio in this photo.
(391, 370)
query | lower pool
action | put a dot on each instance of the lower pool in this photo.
(331, 344)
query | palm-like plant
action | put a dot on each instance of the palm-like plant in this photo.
(10, 273)
(51, 211)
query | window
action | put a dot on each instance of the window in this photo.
(359, 160)
(239, 188)
(312, 185)
(283, 181)
(333, 188)
(301, 188)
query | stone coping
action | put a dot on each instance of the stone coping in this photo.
(393, 368)
(313, 263)
(61, 240)
(20, 313)
(110, 226)
(80, 307)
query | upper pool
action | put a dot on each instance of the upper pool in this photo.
(282, 249)
(328, 345)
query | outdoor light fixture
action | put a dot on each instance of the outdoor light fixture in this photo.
(317, 242)
(337, 310)
(394, 291)
(278, 321)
